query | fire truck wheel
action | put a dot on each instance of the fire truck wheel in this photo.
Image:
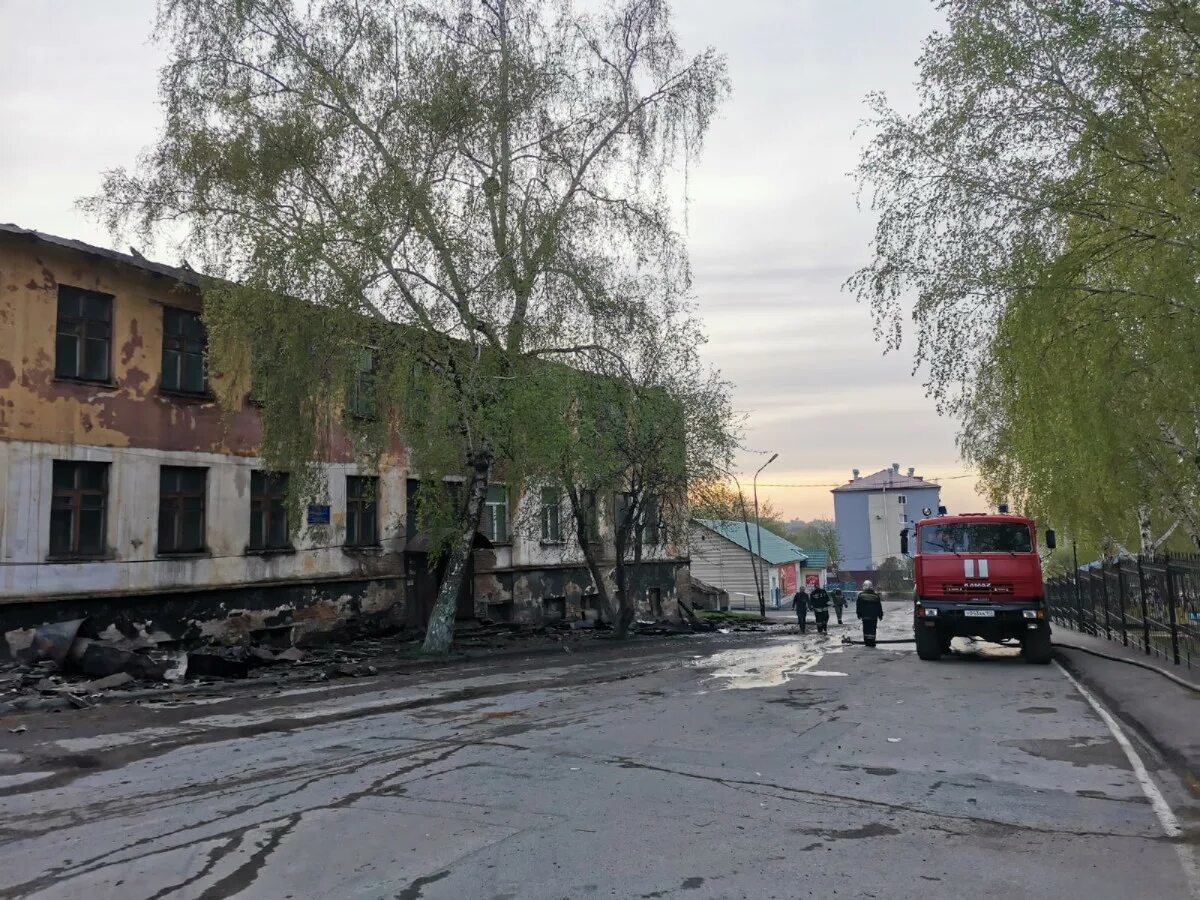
(1035, 646)
(929, 643)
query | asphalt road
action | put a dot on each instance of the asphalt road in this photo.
(708, 768)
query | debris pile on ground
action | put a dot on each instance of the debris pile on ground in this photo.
(69, 664)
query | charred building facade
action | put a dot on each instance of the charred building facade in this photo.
(130, 495)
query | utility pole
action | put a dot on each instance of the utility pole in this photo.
(749, 543)
(762, 601)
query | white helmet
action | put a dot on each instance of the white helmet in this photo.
(866, 585)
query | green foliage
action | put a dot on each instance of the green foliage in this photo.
(1041, 208)
(894, 575)
(819, 534)
(466, 189)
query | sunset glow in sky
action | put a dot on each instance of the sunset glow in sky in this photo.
(773, 222)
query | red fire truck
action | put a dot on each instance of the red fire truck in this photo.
(978, 575)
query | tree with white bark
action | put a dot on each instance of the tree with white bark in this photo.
(444, 181)
(1038, 214)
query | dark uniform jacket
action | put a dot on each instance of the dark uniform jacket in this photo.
(800, 601)
(869, 606)
(819, 599)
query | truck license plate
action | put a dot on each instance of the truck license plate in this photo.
(979, 613)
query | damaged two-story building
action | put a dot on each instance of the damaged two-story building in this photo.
(129, 495)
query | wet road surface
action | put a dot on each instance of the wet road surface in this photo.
(722, 767)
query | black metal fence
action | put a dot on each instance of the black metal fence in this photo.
(1151, 603)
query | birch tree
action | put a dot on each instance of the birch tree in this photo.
(459, 172)
(645, 420)
(1039, 217)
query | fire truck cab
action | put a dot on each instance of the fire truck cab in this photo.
(978, 575)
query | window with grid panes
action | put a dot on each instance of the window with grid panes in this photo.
(78, 508)
(181, 495)
(495, 514)
(362, 511)
(185, 342)
(362, 390)
(268, 511)
(551, 516)
(83, 339)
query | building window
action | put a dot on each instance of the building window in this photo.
(362, 391)
(181, 491)
(185, 342)
(902, 499)
(903, 518)
(268, 511)
(362, 511)
(652, 517)
(591, 516)
(551, 516)
(82, 347)
(495, 514)
(411, 511)
(78, 509)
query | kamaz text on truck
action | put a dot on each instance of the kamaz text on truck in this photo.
(978, 575)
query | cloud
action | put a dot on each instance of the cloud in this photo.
(773, 222)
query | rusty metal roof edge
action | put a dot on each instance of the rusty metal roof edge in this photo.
(176, 273)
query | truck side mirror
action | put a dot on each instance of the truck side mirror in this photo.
(904, 542)
(1051, 540)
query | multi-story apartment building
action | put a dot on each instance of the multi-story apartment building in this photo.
(870, 512)
(128, 494)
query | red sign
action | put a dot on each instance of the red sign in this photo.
(787, 579)
(812, 580)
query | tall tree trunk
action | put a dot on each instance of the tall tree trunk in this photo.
(440, 633)
(626, 528)
(580, 514)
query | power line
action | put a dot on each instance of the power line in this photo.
(930, 478)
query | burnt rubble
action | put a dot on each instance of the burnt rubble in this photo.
(68, 664)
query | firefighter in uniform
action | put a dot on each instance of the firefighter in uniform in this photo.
(869, 609)
(839, 603)
(818, 602)
(800, 605)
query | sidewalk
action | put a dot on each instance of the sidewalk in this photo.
(1070, 637)
(1165, 715)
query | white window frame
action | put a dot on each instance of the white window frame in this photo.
(551, 513)
(902, 499)
(491, 522)
(903, 518)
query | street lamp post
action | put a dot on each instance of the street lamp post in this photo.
(762, 601)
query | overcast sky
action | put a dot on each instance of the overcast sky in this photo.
(773, 225)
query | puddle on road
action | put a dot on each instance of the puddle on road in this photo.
(761, 667)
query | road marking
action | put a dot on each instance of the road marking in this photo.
(1166, 818)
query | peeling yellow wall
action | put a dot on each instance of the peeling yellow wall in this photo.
(35, 406)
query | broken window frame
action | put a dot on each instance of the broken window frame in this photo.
(362, 511)
(85, 497)
(495, 524)
(591, 516)
(551, 515)
(362, 402)
(184, 353)
(84, 323)
(182, 501)
(269, 526)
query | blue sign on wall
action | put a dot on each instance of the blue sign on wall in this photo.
(318, 514)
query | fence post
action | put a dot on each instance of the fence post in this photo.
(1121, 600)
(1104, 598)
(1145, 613)
(1171, 608)
(1079, 599)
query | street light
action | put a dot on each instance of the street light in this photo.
(762, 602)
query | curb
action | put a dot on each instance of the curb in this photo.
(1182, 682)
